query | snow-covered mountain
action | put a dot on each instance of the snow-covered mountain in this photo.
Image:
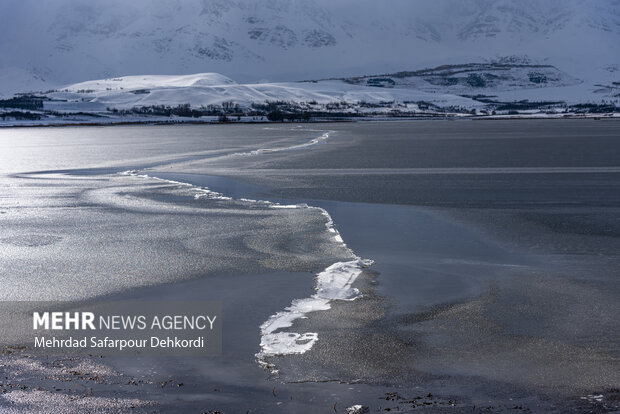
(475, 89)
(59, 42)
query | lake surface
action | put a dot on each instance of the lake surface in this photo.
(496, 247)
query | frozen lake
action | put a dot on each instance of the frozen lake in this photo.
(496, 247)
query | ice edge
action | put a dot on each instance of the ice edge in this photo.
(334, 283)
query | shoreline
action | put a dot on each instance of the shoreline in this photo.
(173, 122)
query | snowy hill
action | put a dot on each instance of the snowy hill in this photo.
(67, 41)
(207, 89)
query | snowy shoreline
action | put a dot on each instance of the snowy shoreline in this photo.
(180, 121)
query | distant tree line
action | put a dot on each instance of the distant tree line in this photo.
(281, 111)
(182, 110)
(20, 115)
(30, 102)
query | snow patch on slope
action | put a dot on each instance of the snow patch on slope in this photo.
(141, 82)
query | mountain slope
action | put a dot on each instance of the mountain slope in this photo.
(473, 78)
(66, 41)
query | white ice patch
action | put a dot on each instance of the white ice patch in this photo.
(330, 226)
(594, 398)
(333, 283)
(357, 409)
(200, 192)
(206, 193)
(259, 151)
(285, 206)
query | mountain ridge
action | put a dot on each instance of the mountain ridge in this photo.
(68, 41)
